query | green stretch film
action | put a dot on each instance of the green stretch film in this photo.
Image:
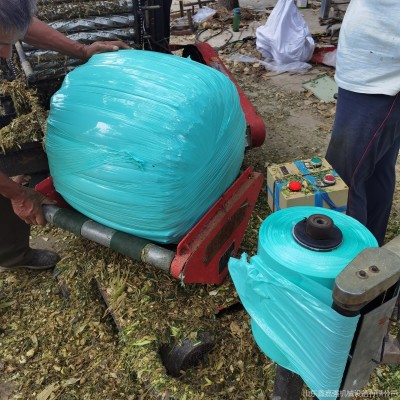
(287, 291)
(279, 250)
(144, 142)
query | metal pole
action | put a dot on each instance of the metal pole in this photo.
(367, 286)
(134, 247)
(325, 8)
(25, 64)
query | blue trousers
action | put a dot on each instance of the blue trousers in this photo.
(363, 150)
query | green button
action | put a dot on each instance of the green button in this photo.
(316, 162)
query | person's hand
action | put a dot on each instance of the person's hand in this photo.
(102, 47)
(27, 205)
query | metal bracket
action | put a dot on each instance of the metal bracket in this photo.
(371, 273)
(367, 348)
(391, 350)
(372, 277)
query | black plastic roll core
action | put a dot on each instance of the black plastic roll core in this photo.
(318, 232)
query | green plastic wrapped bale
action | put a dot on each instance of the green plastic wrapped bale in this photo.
(145, 142)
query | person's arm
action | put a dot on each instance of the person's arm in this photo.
(26, 202)
(45, 37)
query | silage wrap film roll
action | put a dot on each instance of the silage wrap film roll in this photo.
(145, 142)
(287, 291)
(280, 251)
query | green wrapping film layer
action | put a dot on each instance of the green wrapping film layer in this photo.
(145, 142)
(292, 327)
(279, 250)
(287, 291)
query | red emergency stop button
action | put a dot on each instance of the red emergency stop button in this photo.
(329, 179)
(294, 186)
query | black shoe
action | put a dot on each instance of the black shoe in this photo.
(41, 259)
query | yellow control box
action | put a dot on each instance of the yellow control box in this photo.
(311, 182)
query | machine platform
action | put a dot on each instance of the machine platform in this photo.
(200, 257)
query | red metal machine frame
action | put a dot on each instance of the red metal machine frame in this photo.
(202, 255)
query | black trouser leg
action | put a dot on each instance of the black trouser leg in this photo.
(14, 237)
(363, 150)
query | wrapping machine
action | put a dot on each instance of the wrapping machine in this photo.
(202, 255)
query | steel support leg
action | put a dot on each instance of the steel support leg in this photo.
(288, 385)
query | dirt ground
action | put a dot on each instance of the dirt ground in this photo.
(57, 337)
